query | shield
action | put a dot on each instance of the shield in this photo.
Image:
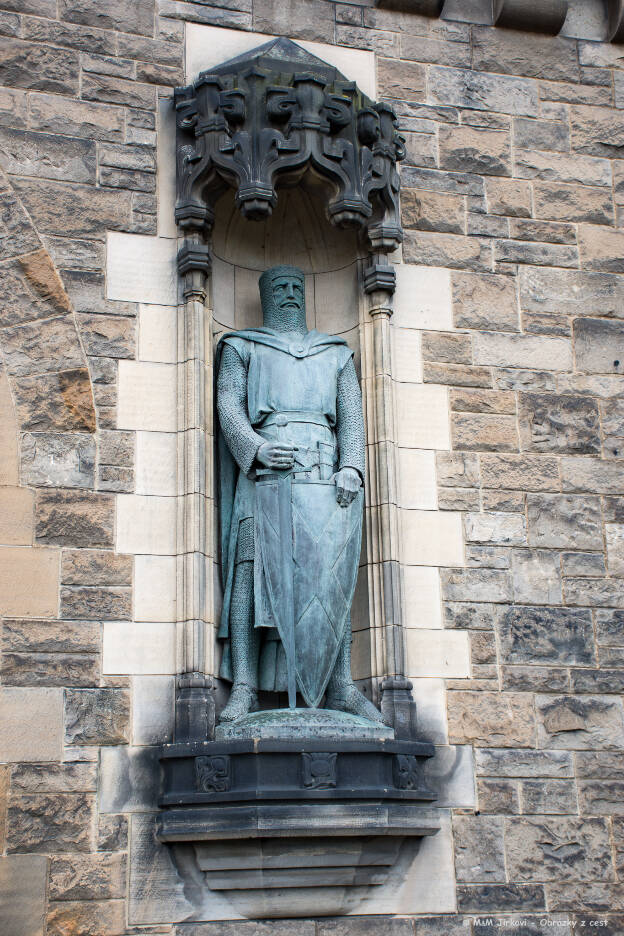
(308, 550)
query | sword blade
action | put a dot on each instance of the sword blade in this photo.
(284, 497)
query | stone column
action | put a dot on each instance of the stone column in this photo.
(195, 691)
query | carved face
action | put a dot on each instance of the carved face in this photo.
(282, 291)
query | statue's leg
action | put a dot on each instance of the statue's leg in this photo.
(342, 693)
(244, 646)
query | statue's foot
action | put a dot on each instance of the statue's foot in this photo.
(243, 700)
(350, 699)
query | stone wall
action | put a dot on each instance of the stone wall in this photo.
(509, 351)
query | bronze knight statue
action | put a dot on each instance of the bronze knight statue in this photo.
(291, 462)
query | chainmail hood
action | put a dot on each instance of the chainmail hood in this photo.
(273, 316)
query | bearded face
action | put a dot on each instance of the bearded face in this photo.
(282, 292)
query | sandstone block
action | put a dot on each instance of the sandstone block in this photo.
(73, 37)
(504, 529)
(481, 432)
(28, 581)
(109, 15)
(535, 678)
(484, 301)
(112, 833)
(457, 469)
(592, 474)
(558, 849)
(483, 401)
(559, 423)
(433, 211)
(108, 336)
(32, 722)
(547, 635)
(491, 719)
(492, 898)
(610, 628)
(479, 849)
(23, 894)
(509, 763)
(96, 877)
(16, 516)
(601, 248)
(447, 346)
(34, 348)
(37, 67)
(520, 53)
(498, 797)
(553, 797)
(579, 170)
(541, 134)
(568, 292)
(54, 778)
(468, 149)
(585, 564)
(599, 346)
(522, 472)
(95, 567)
(536, 576)
(602, 681)
(97, 716)
(580, 722)
(503, 501)
(512, 378)
(482, 91)
(49, 669)
(402, 80)
(437, 51)
(602, 797)
(93, 918)
(594, 592)
(544, 254)
(455, 183)
(522, 351)
(614, 533)
(49, 459)
(564, 520)
(457, 375)
(19, 236)
(74, 210)
(61, 401)
(446, 250)
(509, 198)
(71, 518)
(594, 132)
(50, 636)
(316, 21)
(96, 603)
(475, 585)
(48, 156)
(55, 114)
(551, 231)
(572, 203)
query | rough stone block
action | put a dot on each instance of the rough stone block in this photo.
(39, 68)
(593, 475)
(484, 301)
(559, 423)
(601, 248)
(522, 351)
(41, 347)
(599, 346)
(49, 823)
(95, 567)
(23, 894)
(610, 628)
(93, 877)
(553, 797)
(580, 722)
(509, 763)
(503, 529)
(564, 520)
(568, 292)
(112, 833)
(520, 472)
(49, 669)
(69, 518)
(61, 401)
(457, 469)
(594, 132)
(476, 585)
(447, 250)
(108, 15)
(50, 636)
(500, 898)
(433, 211)
(97, 716)
(535, 253)
(482, 91)
(536, 577)
(404, 81)
(481, 432)
(111, 603)
(479, 849)
(107, 917)
(107, 335)
(469, 149)
(557, 202)
(52, 459)
(558, 849)
(491, 719)
(54, 778)
(82, 210)
(56, 114)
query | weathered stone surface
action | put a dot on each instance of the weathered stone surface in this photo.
(522, 351)
(505, 529)
(469, 615)
(25, 153)
(536, 577)
(23, 894)
(484, 301)
(602, 681)
(580, 170)
(559, 423)
(112, 833)
(594, 592)
(500, 898)
(50, 823)
(95, 567)
(503, 501)
(558, 849)
(404, 83)
(475, 585)
(594, 132)
(433, 211)
(548, 635)
(601, 248)
(55, 114)
(108, 15)
(564, 520)
(521, 53)
(482, 432)
(446, 250)
(482, 91)
(491, 719)
(598, 765)
(593, 475)
(40, 347)
(73, 37)
(96, 603)
(541, 134)
(468, 149)
(49, 669)
(58, 458)
(498, 797)
(54, 778)
(572, 203)
(18, 234)
(69, 518)
(479, 850)
(488, 557)
(539, 254)
(552, 231)
(38, 67)
(602, 797)
(97, 716)
(96, 877)
(514, 378)
(587, 564)
(31, 635)
(107, 335)
(599, 346)
(610, 628)
(457, 469)
(89, 918)
(61, 401)
(569, 292)
(521, 472)
(76, 210)
(508, 198)
(580, 722)
(555, 797)
(535, 678)
(504, 763)
(458, 375)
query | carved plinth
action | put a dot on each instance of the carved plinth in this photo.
(294, 827)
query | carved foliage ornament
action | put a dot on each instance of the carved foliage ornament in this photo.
(269, 116)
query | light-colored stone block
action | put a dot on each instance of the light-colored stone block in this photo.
(450, 774)
(140, 268)
(431, 538)
(430, 698)
(407, 355)
(154, 588)
(336, 300)
(158, 327)
(166, 161)
(16, 516)
(32, 724)
(423, 298)
(156, 463)
(29, 581)
(423, 416)
(222, 292)
(138, 648)
(8, 434)
(147, 396)
(146, 525)
(422, 602)
(153, 700)
(417, 479)
(23, 894)
(536, 351)
(439, 653)
(207, 46)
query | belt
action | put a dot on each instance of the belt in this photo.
(296, 416)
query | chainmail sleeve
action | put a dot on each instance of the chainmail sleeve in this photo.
(241, 439)
(350, 420)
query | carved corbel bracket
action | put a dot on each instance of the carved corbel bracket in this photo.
(547, 16)
(616, 20)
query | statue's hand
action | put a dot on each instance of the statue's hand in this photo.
(278, 455)
(348, 483)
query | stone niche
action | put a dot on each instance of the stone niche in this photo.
(318, 821)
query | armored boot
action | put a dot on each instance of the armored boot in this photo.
(245, 647)
(342, 693)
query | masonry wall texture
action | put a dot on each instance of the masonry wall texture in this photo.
(513, 182)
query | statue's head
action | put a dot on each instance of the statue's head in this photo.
(282, 293)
